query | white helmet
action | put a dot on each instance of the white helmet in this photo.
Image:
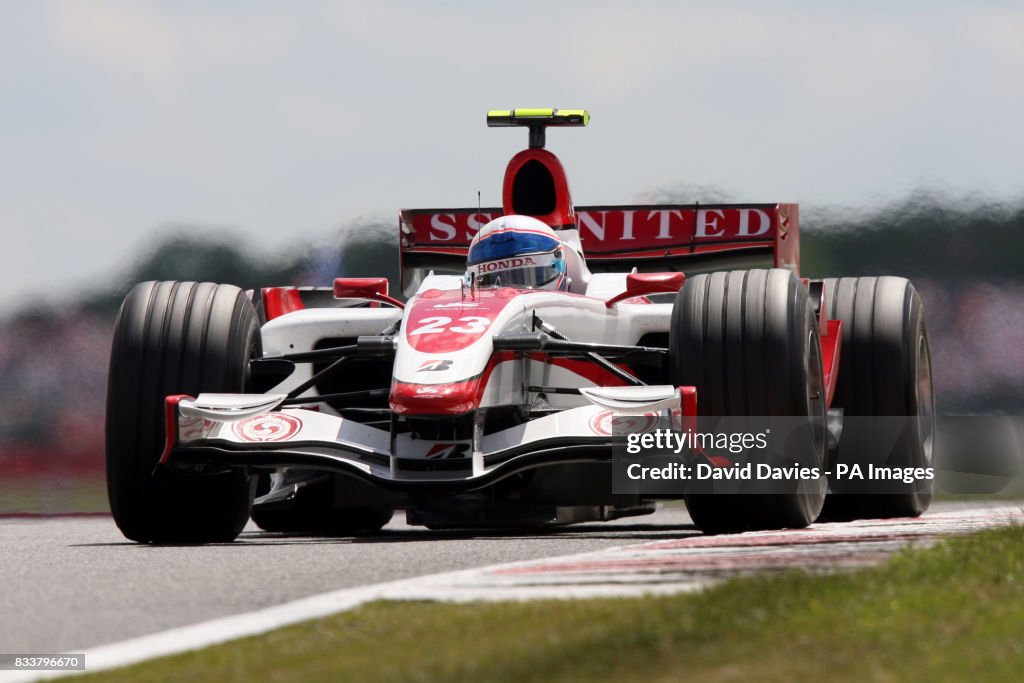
(517, 251)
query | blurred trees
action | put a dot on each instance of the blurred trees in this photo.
(924, 236)
(358, 251)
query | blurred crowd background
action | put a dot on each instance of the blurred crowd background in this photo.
(966, 257)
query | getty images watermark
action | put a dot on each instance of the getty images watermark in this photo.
(761, 455)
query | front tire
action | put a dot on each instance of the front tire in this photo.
(749, 342)
(174, 338)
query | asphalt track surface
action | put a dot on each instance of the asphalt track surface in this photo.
(73, 582)
(69, 584)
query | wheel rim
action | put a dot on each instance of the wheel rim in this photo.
(925, 399)
(816, 394)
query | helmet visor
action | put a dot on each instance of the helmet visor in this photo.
(529, 271)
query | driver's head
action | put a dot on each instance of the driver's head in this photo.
(517, 251)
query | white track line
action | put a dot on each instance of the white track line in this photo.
(640, 569)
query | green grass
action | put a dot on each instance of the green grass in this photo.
(952, 612)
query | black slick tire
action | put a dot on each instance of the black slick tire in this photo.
(884, 389)
(174, 338)
(749, 342)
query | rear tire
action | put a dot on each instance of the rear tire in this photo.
(174, 338)
(885, 372)
(749, 342)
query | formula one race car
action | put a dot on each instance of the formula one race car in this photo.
(488, 398)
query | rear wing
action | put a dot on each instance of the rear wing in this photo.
(651, 238)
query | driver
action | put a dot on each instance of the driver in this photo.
(517, 251)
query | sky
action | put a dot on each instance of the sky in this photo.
(287, 122)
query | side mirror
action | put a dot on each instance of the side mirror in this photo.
(639, 284)
(371, 288)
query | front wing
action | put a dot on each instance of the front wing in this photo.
(244, 431)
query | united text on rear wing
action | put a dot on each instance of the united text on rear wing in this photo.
(683, 237)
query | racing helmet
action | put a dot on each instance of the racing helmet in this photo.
(517, 251)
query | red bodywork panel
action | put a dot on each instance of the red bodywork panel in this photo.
(280, 300)
(444, 321)
(638, 284)
(456, 398)
(831, 345)
(170, 425)
(370, 288)
(527, 168)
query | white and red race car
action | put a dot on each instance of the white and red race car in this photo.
(471, 406)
